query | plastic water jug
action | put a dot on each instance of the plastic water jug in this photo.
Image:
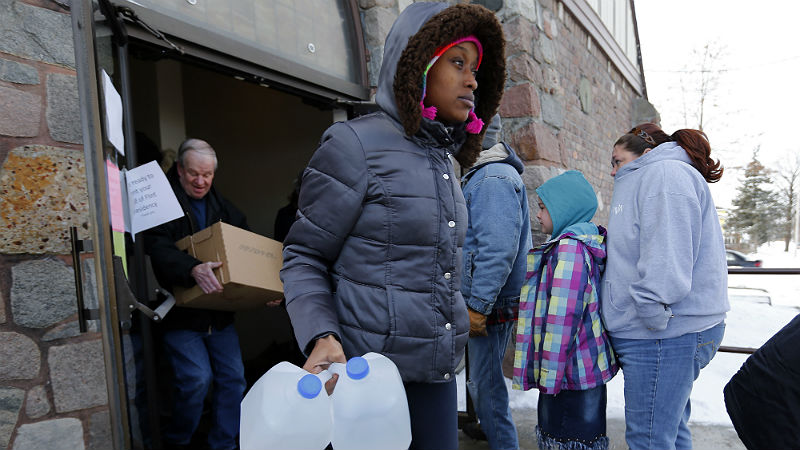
(286, 409)
(370, 409)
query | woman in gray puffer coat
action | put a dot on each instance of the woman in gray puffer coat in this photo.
(372, 262)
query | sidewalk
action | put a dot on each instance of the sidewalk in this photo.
(705, 437)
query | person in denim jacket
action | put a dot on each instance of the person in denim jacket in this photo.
(562, 347)
(497, 242)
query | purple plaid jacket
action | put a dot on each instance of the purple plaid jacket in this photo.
(561, 342)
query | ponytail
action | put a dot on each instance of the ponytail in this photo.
(694, 142)
(696, 145)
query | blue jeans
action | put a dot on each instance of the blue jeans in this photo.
(487, 386)
(659, 374)
(198, 358)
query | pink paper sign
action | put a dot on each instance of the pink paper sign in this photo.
(115, 197)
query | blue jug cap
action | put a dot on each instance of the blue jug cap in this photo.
(357, 368)
(309, 386)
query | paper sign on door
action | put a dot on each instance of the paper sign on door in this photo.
(151, 200)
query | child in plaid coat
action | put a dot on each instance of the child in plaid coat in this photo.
(561, 345)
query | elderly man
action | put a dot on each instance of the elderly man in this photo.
(202, 345)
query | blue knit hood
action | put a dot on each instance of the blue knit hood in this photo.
(571, 202)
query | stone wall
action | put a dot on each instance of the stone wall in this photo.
(52, 385)
(565, 104)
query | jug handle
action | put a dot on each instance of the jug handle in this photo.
(324, 376)
(338, 368)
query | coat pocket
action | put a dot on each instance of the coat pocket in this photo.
(617, 306)
(364, 314)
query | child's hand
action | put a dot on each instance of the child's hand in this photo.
(477, 324)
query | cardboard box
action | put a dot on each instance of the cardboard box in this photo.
(249, 271)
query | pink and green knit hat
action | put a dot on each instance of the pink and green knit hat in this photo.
(475, 124)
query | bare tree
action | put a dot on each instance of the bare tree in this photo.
(788, 174)
(699, 83)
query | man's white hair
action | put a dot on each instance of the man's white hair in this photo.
(196, 145)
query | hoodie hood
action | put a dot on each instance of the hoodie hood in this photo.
(501, 152)
(571, 202)
(666, 151)
(494, 151)
(411, 43)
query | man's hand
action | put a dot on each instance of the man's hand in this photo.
(477, 324)
(204, 276)
(326, 351)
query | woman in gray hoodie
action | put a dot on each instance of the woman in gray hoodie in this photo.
(664, 291)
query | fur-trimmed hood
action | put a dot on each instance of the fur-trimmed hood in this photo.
(416, 34)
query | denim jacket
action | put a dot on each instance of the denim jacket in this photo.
(499, 231)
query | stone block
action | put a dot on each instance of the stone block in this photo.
(552, 110)
(44, 193)
(546, 5)
(374, 64)
(520, 36)
(42, 293)
(15, 72)
(377, 23)
(548, 49)
(523, 68)
(585, 95)
(644, 111)
(37, 405)
(20, 356)
(536, 141)
(100, 431)
(552, 81)
(77, 376)
(549, 25)
(521, 100)
(10, 406)
(524, 8)
(20, 112)
(63, 108)
(403, 4)
(56, 434)
(36, 33)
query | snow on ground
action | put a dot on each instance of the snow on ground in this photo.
(750, 323)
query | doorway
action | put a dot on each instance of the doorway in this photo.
(263, 136)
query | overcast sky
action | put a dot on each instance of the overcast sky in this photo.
(756, 98)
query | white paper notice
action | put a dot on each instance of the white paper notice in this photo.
(113, 109)
(150, 197)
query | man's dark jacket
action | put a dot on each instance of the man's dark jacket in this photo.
(173, 267)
